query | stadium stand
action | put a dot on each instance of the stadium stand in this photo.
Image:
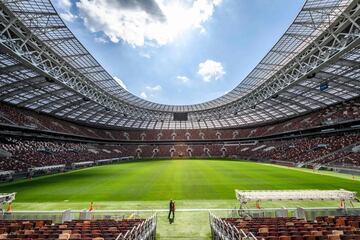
(334, 115)
(334, 149)
(304, 149)
(284, 228)
(24, 154)
(77, 229)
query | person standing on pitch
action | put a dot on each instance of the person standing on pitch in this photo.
(171, 211)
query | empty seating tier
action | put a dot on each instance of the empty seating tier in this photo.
(284, 228)
(76, 230)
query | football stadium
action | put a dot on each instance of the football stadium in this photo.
(268, 151)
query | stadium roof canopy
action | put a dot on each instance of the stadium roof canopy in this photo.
(44, 67)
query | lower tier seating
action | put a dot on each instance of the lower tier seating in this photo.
(76, 230)
(338, 149)
(24, 154)
(326, 227)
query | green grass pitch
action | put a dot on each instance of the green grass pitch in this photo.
(166, 179)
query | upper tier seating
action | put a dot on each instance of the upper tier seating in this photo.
(342, 112)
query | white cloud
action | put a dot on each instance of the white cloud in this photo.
(183, 79)
(68, 16)
(65, 4)
(154, 88)
(150, 91)
(120, 82)
(145, 55)
(65, 10)
(211, 70)
(145, 21)
(143, 95)
(100, 40)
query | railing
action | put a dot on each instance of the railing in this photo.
(145, 231)
(222, 230)
(60, 216)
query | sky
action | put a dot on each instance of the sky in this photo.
(178, 52)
